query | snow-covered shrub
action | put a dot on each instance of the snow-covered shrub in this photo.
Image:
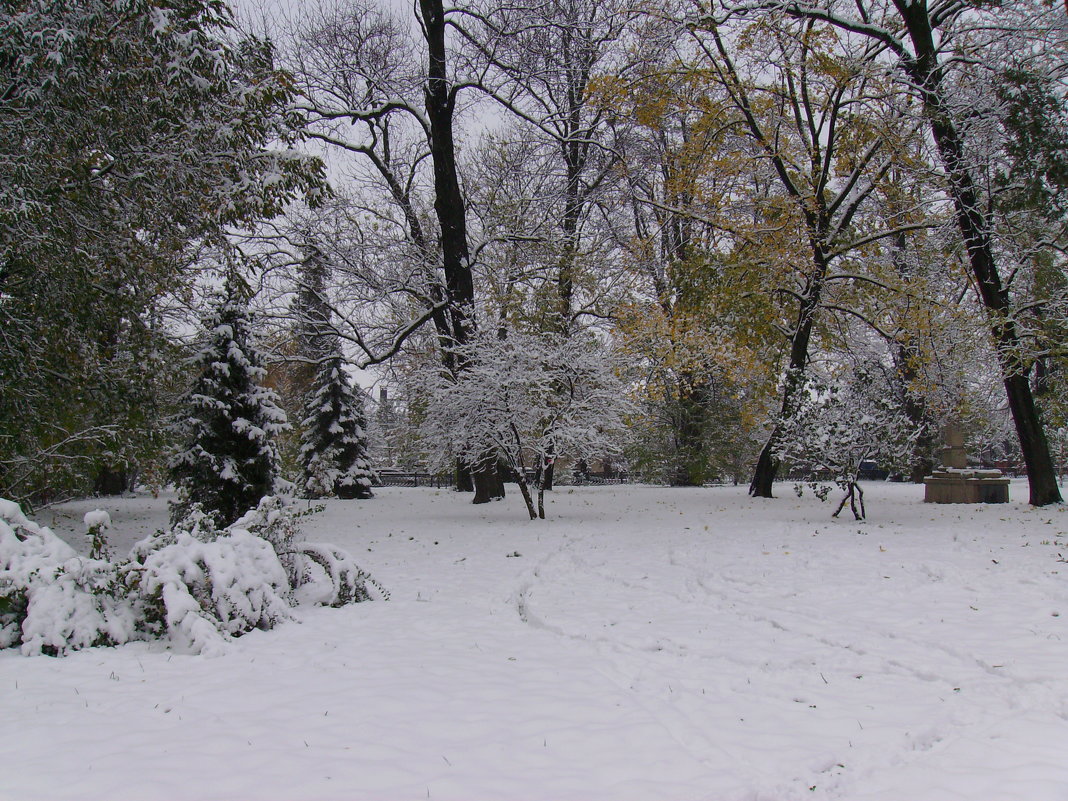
(97, 525)
(51, 599)
(328, 576)
(195, 584)
(840, 423)
(200, 586)
(526, 400)
(275, 520)
(318, 573)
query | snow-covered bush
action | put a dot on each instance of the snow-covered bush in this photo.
(841, 422)
(97, 525)
(318, 573)
(195, 584)
(199, 586)
(51, 599)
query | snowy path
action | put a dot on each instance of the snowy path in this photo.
(644, 644)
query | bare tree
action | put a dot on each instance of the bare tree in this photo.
(353, 64)
(541, 60)
(528, 399)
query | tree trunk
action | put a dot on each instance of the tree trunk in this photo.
(449, 203)
(112, 481)
(548, 474)
(464, 482)
(767, 467)
(915, 407)
(487, 481)
(521, 475)
(451, 212)
(927, 74)
(854, 494)
(922, 462)
(524, 488)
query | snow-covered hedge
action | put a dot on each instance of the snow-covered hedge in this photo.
(193, 585)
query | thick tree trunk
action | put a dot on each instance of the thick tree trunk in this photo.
(927, 74)
(464, 482)
(449, 203)
(487, 481)
(548, 474)
(451, 213)
(112, 481)
(767, 467)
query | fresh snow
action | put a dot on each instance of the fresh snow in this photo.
(97, 518)
(642, 643)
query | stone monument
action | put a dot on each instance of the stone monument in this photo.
(955, 482)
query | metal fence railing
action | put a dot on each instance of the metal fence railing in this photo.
(598, 478)
(436, 480)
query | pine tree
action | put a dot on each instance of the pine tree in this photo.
(229, 461)
(334, 445)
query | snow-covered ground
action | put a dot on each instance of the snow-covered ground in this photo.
(642, 643)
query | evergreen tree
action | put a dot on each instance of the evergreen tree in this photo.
(334, 444)
(229, 461)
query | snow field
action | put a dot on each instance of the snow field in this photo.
(645, 643)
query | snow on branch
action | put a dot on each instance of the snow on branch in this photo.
(840, 423)
(527, 400)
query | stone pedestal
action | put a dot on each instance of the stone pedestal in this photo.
(955, 483)
(966, 486)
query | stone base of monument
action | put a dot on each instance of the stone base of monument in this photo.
(954, 485)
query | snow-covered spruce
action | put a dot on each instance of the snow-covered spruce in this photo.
(194, 585)
(229, 459)
(334, 443)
